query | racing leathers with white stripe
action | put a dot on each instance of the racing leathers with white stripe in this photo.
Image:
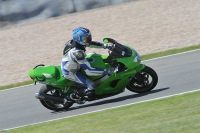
(74, 59)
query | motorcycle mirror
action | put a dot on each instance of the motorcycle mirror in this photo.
(109, 40)
(105, 40)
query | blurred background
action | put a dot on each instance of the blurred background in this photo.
(35, 31)
(21, 11)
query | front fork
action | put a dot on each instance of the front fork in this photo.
(137, 76)
(138, 69)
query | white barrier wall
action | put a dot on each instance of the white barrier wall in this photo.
(19, 11)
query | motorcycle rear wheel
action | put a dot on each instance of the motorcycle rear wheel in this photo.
(144, 81)
(50, 90)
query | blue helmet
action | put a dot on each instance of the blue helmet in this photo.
(82, 36)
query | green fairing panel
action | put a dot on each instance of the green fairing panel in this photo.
(61, 80)
(123, 77)
(51, 75)
(44, 72)
(106, 88)
(96, 60)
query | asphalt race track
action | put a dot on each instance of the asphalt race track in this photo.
(177, 74)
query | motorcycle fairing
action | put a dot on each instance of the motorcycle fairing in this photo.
(116, 82)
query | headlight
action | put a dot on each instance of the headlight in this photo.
(137, 57)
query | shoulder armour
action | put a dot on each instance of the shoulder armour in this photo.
(79, 55)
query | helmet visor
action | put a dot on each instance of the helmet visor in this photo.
(86, 40)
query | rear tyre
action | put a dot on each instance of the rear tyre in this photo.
(144, 81)
(50, 90)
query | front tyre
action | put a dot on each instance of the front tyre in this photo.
(144, 81)
(50, 90)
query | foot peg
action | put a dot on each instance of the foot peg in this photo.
(78, 100)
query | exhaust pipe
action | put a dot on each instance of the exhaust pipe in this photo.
(50, 98)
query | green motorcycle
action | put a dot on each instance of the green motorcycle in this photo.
(128, 72)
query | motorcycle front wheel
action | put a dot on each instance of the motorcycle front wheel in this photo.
(144, 81)
(56, 106)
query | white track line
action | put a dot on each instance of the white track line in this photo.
(171, 55)
(142, 61)
(104, 109)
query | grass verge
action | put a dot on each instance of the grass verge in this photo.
(143, 57)
(169, 52)
(178, 114)
(16, 85)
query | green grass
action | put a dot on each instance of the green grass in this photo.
(169, 52)
(178, 114)
(16, 85)
(143, 57)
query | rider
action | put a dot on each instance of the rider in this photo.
(74, 58)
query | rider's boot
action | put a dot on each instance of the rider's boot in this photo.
(73, 96)
(77, 99)
(90, 93)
